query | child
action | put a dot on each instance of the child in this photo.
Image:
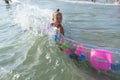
(7, 1)
(57, 20)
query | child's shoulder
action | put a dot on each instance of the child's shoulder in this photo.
(61, 26)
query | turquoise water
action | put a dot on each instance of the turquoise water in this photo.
(27, 54)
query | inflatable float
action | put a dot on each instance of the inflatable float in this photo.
(101, 59)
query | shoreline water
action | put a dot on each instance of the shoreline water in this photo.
(26, 54)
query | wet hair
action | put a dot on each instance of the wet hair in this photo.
(57, 12)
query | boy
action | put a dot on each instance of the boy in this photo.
(57, 20)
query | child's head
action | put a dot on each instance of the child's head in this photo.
(57, 17)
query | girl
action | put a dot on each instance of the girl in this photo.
(56, 21)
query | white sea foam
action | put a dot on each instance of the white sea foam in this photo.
(32, 17)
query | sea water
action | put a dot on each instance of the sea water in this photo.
(26, 53)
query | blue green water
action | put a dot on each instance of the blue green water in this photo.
(26, 54)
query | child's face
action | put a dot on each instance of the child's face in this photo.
(57, 19)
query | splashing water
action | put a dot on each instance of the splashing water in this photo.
(31, 17)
